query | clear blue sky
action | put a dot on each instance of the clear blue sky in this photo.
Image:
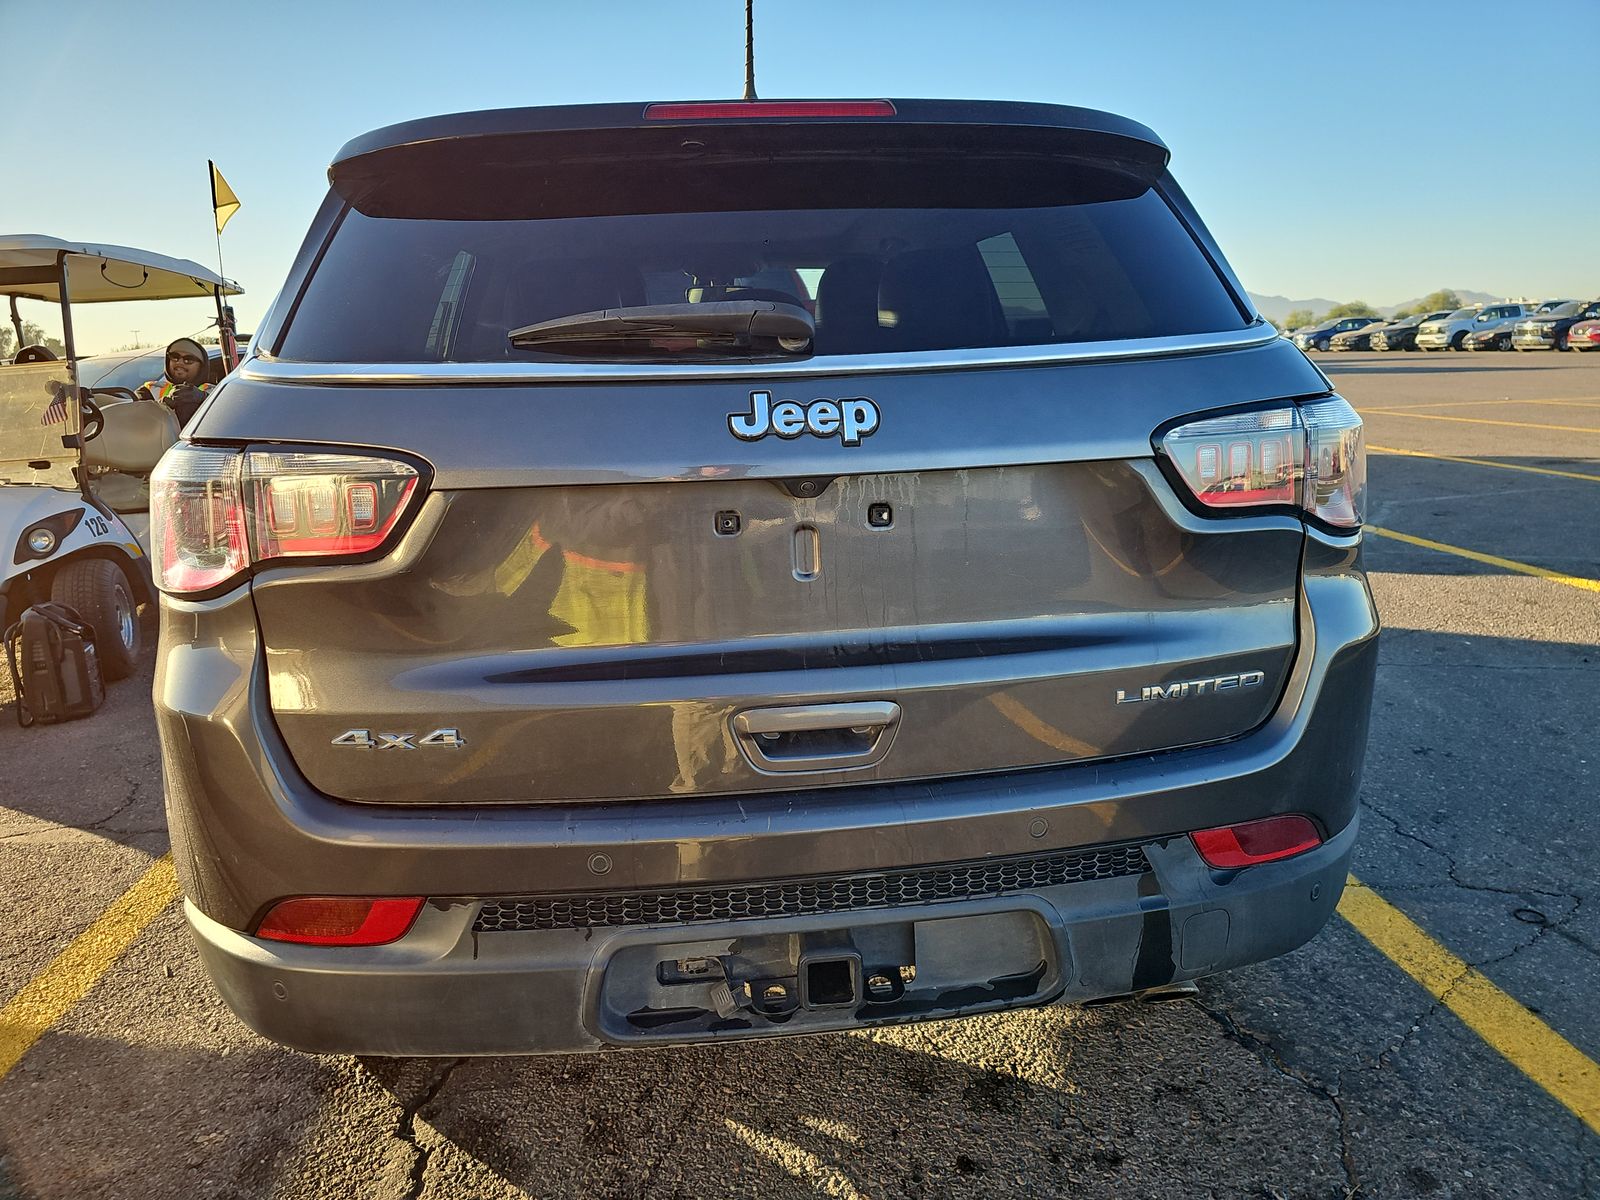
(1354, 151)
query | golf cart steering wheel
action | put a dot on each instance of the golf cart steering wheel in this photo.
(93, 419)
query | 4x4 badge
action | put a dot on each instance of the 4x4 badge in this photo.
(848, 420)
(363, 739)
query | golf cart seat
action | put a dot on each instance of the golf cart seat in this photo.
(136, 435)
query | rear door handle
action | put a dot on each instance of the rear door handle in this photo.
(817, 737)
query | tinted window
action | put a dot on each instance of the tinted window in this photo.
(878, 279)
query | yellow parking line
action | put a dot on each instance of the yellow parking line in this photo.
(1390, 412)
(1518, 1036)
(67, 979)
(1485, 403)
(1484, 462)
(1505, 564)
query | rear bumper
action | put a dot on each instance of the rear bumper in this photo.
(442, 990)
(247, 830)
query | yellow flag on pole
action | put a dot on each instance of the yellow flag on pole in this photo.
(223, 202)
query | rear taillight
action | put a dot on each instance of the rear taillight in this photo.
(197, 536)
(1309, 456)
(1233, 846)
(314, 505)
(216, 513)
(340, 920)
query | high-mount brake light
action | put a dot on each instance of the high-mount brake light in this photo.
(1307, 455)
(722, 110)
(1245, 845)
(340, 920)
(214, 513)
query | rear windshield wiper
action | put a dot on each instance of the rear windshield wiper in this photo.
(741, 327)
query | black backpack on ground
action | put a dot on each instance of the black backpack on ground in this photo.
(54, 667)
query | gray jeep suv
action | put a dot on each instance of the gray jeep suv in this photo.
(678, 572)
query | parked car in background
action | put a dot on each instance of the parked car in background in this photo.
(1551, 330)
(1355, 339)
(1320, 337)
(1494, 336)
(1585, 335)
(1451, 333)
(1401, 334)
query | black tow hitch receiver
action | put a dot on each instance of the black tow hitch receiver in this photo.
(830, 979)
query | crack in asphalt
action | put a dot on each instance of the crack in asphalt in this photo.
(1391, 1054)
(1263, 1049)
(130, 798)
(670, 1143)
(1520, 893)
(1585, 1159)
(406, 1128)
(134, 788)
(1542, 928)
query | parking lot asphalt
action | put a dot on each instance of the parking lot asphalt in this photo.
(1438, 1039)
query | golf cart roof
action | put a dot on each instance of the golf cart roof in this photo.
(28, 268)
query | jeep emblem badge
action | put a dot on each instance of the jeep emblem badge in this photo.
(848, 420)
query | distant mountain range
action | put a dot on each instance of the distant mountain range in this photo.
(1278, 307)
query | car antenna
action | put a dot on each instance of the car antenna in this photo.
(749, 49)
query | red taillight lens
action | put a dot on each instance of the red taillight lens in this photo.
(340, 920)
(1268, 840)
(214, 513)
(722, 110)
(309, 505)
(1308, 455)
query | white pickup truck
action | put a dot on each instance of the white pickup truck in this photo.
(1450, 333)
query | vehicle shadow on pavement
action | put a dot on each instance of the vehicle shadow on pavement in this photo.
(98, 1118)
(946, 1109)
(1463, 504)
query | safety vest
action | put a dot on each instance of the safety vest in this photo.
(160, 389)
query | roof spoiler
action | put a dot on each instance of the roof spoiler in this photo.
(577, 160)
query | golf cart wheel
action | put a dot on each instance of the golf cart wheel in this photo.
(98, 589)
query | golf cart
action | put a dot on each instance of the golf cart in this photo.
(75, 462)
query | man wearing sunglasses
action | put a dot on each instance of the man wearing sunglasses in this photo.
(186, 382)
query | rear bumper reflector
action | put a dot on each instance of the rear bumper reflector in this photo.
(1232, 846)
(340, 920)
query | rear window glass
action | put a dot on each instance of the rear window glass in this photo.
(876, 280)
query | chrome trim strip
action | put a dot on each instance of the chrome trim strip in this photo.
(265, 368)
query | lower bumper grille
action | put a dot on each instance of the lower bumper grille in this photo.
(800, 897)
